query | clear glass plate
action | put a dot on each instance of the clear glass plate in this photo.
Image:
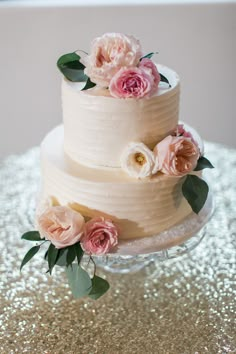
(124, 264)
(131, 256)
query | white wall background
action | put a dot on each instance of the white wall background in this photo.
(197, 40)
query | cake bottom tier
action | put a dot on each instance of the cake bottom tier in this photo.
(140, 207)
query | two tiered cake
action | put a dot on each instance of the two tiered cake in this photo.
(121, 167)
(82, 161)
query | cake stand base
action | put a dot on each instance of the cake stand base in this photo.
(124, 264)
(132, 256)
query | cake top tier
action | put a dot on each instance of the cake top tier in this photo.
(114, 96)
(116, 64)
(98, 127)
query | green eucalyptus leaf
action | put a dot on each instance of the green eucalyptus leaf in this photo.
(99, 287)
(89, 84)
(79, 252)
(61, 257)
(32, 236)
(30, 254)
(164, 79)
(149, 55)
(71, 254)
(71, 67)
(46, 255)
(75, 76)
(70, 60)
(202, 163)
(195, 190)
(79, 281)
(52, 257)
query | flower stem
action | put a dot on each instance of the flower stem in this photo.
(94, 264)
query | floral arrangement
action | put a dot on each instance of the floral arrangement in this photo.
(69, 237)
(177, 155)
(116, 62)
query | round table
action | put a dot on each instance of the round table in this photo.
(183, 305)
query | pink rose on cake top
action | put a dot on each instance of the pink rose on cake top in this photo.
(133, 82)
(109, 53)
(115, 62)
(148, 65)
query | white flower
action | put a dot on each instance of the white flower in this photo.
(139, 161)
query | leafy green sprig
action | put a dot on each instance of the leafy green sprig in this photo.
(72, 68)
(69, 257)
(194, 189)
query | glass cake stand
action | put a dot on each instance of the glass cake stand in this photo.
(132, 256)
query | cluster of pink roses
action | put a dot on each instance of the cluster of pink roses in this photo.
(64, 227)
(116, 62)
(175, 155)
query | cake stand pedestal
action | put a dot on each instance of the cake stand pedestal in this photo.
(131, 256)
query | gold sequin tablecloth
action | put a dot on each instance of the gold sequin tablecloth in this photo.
(184, 305)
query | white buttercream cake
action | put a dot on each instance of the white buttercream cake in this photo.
(81, 159)
(98, 126)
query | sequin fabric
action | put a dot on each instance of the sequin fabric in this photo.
(181, 306)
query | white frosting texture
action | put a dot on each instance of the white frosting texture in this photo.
(140, 207)
(98, 127)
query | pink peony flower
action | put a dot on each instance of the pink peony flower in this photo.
(100, 236)
(61, 225)
(180, 131)
(132, 83)
(109, 53)
(149, 65)
(177, 155)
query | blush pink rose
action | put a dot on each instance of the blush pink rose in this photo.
(149, 65)
(109, 53)
(180, 131)
(61, 225)
(132, 83)
(177, 155)
(100, 236)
